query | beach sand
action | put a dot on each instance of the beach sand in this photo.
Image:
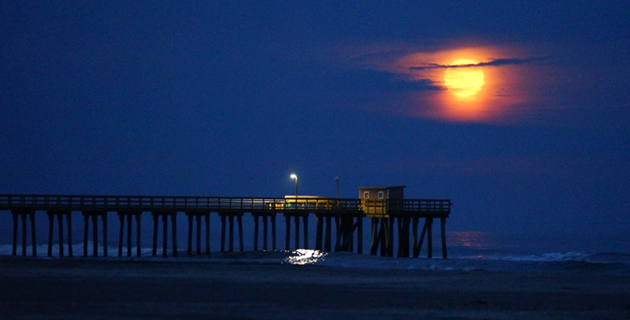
(172, 289)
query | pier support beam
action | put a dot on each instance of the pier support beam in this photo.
(265, 216)
(443, 233)
(195, 217)
(427, 230)
(129, 217)
(51, 219)
(23, 217)
(94, 215)
(403, 236)
(382, 229)
(296, 221)
(319, 231)
(165, 215)
(227, 220)
(328, 234)
(345, 232)
(359, 226)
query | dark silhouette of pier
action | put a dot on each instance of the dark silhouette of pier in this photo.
(344, 217)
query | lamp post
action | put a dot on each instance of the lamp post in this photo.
(337, 180)
(294, 176)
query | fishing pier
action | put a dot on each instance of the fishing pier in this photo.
(389, 219)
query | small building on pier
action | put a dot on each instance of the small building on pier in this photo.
(374, 200)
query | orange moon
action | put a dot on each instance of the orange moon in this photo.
(464, 81)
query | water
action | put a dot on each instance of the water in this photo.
(468, 251)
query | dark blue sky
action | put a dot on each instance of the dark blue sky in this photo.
(229, 98)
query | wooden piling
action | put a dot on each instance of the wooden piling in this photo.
(231, 236)
(422, 235)
(416, 250)
(15, 234)
(94, 234)
(121, 218)
(50, 234)
(21, 216)
(255, 232)
(328, 236)
(374, 238)
(287, 223)
(23, 234)
(86, 219)
(138, 237)
(104, 217)
(297, 232)
(33, 233)
(273, 232)
(164, 235)
(60, 220)
(239, 219)
(360, 235)
(443, 233)
(430, 238)
(265, 225)
(390, 238)
(207, 217)
(400, 237)
(198, 218)
(339, 233)
(305, 220)
(174, 232)
(383, 237)
(319, 228)
(129, 233)
(190, 231)
(69, 222)
(155, 232)
(223, 222)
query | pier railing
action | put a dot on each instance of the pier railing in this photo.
(437, 207)
(348, 220)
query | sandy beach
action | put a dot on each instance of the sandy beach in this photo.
(115, 289)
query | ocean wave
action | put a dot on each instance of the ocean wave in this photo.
(551, 262)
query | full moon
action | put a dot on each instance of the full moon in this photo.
(463, 82)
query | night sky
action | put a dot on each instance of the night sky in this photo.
(229, 98)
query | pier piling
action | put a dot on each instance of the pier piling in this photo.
(51, 218)
(194, 220)
(23, 215)
(128, 215)
(265, 216)
(227, 218)
(94, 215)
(165, 215)
(394, 222)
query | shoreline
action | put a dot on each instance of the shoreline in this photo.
(115, 289)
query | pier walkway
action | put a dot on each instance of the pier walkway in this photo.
(388, 218)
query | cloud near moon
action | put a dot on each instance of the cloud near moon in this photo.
(491, 63)
(499, 100)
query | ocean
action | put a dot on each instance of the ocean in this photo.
(467, 251)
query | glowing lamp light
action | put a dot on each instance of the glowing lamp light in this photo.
(294, 176)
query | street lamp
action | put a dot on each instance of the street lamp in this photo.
(293, 176)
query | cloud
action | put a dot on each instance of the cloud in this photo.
(491, 63)
(418, 85)
(375, 80)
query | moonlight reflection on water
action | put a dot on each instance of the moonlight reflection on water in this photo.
(305, 256)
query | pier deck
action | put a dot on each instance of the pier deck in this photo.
(347, 214)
